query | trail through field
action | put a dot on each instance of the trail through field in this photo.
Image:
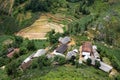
(40, 27)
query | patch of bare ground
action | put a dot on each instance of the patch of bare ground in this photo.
(40, 27)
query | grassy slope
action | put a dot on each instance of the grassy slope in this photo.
(68, 72)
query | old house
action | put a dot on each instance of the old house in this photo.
(11, 52)
(87, 50)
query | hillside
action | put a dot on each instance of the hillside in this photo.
(32, 25)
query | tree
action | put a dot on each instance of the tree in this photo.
(22, 51)
(12, 69)
(97, 64)
(43, 61)
(89, 61)
(18, 41)
(31, 45)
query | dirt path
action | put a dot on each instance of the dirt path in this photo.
(39, 28)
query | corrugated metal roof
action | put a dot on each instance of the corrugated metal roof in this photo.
(62, 48)
(105, 67)
(39, 53)
(64, 40)
(70, 54)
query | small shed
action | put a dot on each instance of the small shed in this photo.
(64, 40)
(62, 48)
(105, 67)
(71, 53)
(39, 53)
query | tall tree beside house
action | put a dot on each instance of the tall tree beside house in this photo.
(53, 37)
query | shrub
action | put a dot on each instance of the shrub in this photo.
(31, 46)
(97, 64)
(60, 59)
(89, 61)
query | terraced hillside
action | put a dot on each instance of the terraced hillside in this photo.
(40, 27)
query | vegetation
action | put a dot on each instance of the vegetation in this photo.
(97, 64)
(95, 20)
(89, 61)
(60, 59)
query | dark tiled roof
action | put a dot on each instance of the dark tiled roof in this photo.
(62, 48)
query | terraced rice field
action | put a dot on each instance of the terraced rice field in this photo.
(40, 27)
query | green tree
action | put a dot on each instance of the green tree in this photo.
(97, 64)
(43, 61)
(89, 61)
(12, 69)
(31, 45)
(22, 51)
(18, 41)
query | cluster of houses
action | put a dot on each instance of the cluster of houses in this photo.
(87, 50)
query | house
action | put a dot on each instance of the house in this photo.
(87, 50)
(71, 53)
(39, 53)
(12, 51)
(27, 62)
(62, 48)
(64, 40)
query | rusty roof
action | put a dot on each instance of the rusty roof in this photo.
(11, 54)
(87, 47)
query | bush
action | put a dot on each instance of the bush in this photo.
(89, 61)
(97, 64)
(60, 59)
